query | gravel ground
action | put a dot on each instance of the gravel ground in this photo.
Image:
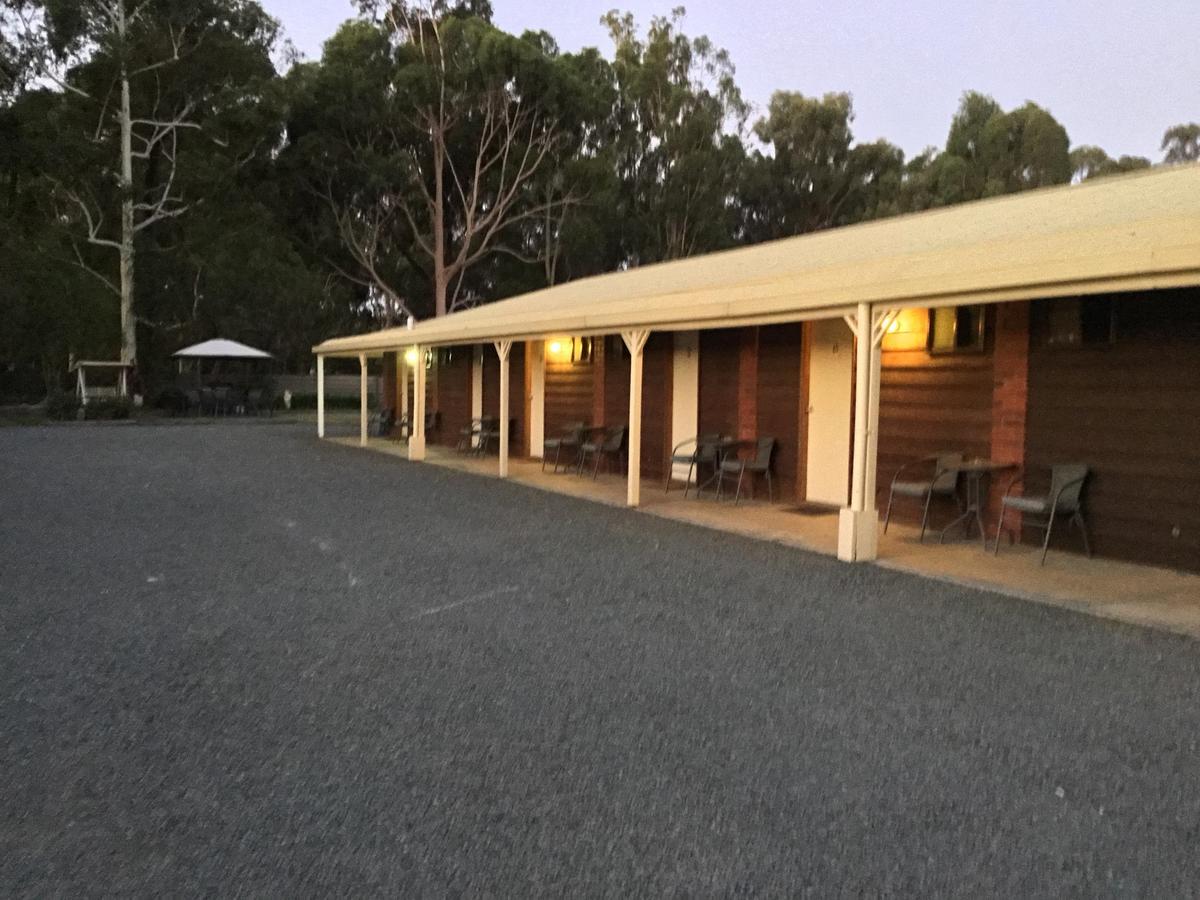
(238, 661)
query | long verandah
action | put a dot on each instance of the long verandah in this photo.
(1121, 591)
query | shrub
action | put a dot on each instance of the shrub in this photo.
(117, 408)
(62, 406)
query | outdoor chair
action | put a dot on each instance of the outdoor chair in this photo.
(382, 422)
(1065, 498)
(489, 434)
(694, 452)
(759, 464)
(942, 482)
(221, 401)
(611, 444)
(569, 440)
(467, 436)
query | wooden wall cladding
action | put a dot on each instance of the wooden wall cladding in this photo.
(780, 360)
(930, 403)
(568, 394)
(719, 354)
(453, 394)
(1131, 411)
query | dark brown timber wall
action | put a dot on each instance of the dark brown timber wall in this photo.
(656, 396)
(719, 355)
(779, 367)
(1131, 410)
(454, 393)
(568, 394)
(930, 403)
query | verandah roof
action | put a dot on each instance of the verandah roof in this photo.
(1128, 232)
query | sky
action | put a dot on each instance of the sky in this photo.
(1116, 73)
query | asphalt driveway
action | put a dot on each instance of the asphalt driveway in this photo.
(236, 660)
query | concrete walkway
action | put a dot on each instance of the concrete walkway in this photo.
(1140, 595)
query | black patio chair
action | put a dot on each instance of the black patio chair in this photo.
(382, 422)
(1065, 498)
(941, 482)
(759, 464)
(694, 452)
(569, 440)
(609, 445)
(467, 436)
(489, 434)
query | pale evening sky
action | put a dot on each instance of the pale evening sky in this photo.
(1114, 72)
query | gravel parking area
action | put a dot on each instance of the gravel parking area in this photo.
(236, 660)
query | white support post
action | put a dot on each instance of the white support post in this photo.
(362, 399)
(476, 389)
(503, 350)
(416, 434)
(858, 526)
(636, 342)
(320, 396)
(536, 360)
(402, 374)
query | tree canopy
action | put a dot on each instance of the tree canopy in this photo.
(164, 181)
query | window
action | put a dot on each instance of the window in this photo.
(1075, 322)
(956, 329)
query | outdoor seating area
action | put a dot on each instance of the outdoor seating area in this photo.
(719, 458)
(228, 400)
(580, 447)
(952, 476)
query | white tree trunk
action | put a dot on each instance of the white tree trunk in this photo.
(128, 323)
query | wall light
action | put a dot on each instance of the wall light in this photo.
(560, 349)
(410, 357)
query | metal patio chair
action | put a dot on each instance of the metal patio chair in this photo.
(569, 440)
(943, 482)
(1065, 498)
(611, 445)
(759, 464)
(467, 436)
(694, 452)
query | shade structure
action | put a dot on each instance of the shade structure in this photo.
(1132, 232)
(221, 348)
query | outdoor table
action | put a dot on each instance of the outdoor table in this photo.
(973, 472)
(721, 450)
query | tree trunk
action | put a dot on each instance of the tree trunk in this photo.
(439, 231)
(128, 323)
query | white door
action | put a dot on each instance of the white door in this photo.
(685, 393)
(830, 390)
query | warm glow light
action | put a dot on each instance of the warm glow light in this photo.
(895, 326)
(559, 349)
(410, 357)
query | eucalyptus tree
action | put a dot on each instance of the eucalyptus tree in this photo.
(679, 118)
(814, 175)
(1089, 161)
(428, 131)
(1181, 143)
(144, 83)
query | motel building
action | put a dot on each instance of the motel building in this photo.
(1055, 327)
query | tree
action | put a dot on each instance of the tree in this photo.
(144, 77)
(816, 176)
(1092, 162)
(465, 117)
(1181, 143)
(677, 129)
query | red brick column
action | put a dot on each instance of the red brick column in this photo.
(1010, 397)
(747, 393)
